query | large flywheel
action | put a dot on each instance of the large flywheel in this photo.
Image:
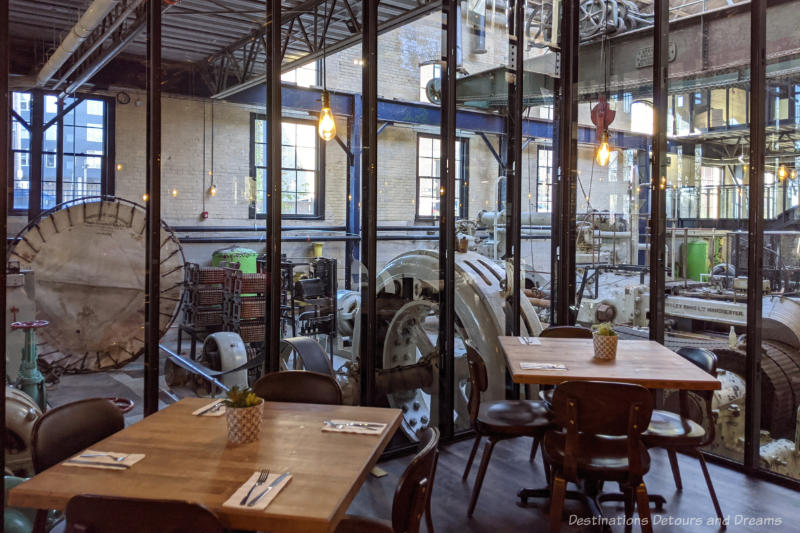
(88, 260)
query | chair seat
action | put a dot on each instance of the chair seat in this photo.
(513, 417)
(362, 524)
(599, 456)
(669, 429)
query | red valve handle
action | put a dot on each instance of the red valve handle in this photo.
(29, 325)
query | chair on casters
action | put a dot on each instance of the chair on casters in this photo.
(66, 430)
(412, 498)
(679, 432)
(600, 441)
(106, 514)
(299, 386)
(559, 332)
(499, 420)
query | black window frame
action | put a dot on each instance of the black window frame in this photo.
(319, 199)
(462, 181)
(107, 167)
(550, 200)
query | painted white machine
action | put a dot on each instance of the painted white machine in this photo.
(224, 350)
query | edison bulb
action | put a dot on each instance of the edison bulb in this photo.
(145, 197)
(603, 154)
(782, 172)
(212, 190)
(326, 126)
(174, 193)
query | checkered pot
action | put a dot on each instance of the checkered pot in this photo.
(244, 423)
(605, 347)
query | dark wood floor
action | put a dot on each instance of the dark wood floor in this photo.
(498, 510)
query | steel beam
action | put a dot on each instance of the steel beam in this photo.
(152, 328)
(5, 201)
(755, 230)
(273, 222)
(566, 156)
(353, 213)
(659, 162)
(35, 169)
(447, 228)
(369, 188)
(516, 40)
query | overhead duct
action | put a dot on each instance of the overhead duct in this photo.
(476, 17)
(92, 18)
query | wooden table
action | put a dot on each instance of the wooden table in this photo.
(188, 458)
(645, 363)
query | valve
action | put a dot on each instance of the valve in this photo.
(30, 380)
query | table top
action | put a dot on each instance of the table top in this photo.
(645, 363)
(188, 458)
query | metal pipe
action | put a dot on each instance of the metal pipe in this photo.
(225, 229)
(103, 38)
(91, 19)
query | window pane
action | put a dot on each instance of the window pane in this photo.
(307, 158)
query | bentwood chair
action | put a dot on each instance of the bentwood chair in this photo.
(558, 332)
(412, 498)
(499, 420)
(66, 430)
(600, 441)
(682, 431)
(106, 514)
(299, 386)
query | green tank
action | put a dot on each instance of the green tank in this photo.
(247, 258)
(697, 259)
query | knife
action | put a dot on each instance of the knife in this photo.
(368, 425)
(98, 463)
(269, 488)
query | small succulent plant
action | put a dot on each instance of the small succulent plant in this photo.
(241, 397)
(605, 329)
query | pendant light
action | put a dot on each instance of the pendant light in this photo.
(603, 154)
(326, 126)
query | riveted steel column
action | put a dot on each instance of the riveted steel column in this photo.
(274, 115)
(152, 330)
(516, 39)
(369, 198)
(566, 158)
(447, 229)
(755, 230)
(659, 162)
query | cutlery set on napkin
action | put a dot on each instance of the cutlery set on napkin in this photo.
(353, 426)
(215, 408)
(105, 460)
(258, 491)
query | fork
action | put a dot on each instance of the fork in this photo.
(262, 478)
(363, 425)
(114, 457)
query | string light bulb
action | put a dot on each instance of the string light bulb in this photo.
(145, 197)
(603, 154)
(782, 173)
(174, 193)
(327, 126)
(212, 191)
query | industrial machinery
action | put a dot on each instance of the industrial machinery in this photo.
(20, 307)
(89, 283)
(21, 414)
(315, 296)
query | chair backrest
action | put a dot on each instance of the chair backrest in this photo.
(299, 386)
(414, 490)
(313, 355)
(706, 360)
(105, 514)
(602, 408)
(566, 332)
(66, 430)
(478, 381)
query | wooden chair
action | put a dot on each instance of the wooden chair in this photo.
(299, 386)
(558, 332)
(682, 432)
(600, 441)
(105, 514)
(66, 430)
(412, 498)
(499, 420)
